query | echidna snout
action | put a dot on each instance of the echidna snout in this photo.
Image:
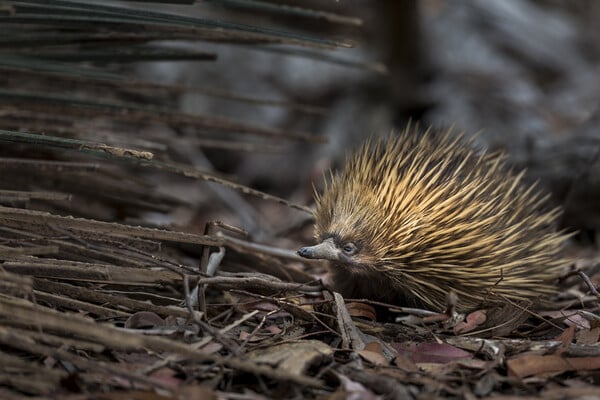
(413, 217)
(328, 249)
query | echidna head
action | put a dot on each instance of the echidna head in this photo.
(345, 228)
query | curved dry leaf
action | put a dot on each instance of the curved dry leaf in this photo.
(373, 353)
(530, 365)
(588, 336)
(439, 353)
(144, 320)
(362, 310)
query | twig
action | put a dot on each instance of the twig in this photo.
(255, 283)
(8, 215)
(589, 283)
(98, 297)
(239, 321)
(197, 319)
(245, 317)
(293, 309)
(238, 244)
(350, 337)
(257, 328)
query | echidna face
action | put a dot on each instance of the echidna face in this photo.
(344, 232)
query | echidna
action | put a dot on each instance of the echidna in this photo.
(415, 216)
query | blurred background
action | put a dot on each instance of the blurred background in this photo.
(270, 95)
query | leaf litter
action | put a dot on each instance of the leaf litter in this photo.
(96, 302)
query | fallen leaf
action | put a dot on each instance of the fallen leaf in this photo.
(588, 336)
(566, 337)
(167, 376)
(559, 393)
(404, 363)
(212, 348)
(529, 365)
(144, 320)
(373, 357)
(472, 321)
(252, 339)
(293, 357)
(431, 352)
(474, 363)
(373, 353)
(362, 310)
(568, 318)
(274, 329)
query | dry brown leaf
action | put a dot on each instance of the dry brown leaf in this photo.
(373, 353)
(405, 363)
(167, 376)
(566, 337)
(431, 352)
(293, 357)
(362, 310)
(144, 319)
(473, 321)
(274, 329)
(530, 365)
(588, 336)
(212, 348)
(570, 318)
(245, 336)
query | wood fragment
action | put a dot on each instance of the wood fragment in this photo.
(77, 271)
(351, 336)
(12, 252)
(98, 297)
(8, 215)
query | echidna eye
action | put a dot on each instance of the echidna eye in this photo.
(349, 248)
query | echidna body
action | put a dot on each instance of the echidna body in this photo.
(415, 216)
